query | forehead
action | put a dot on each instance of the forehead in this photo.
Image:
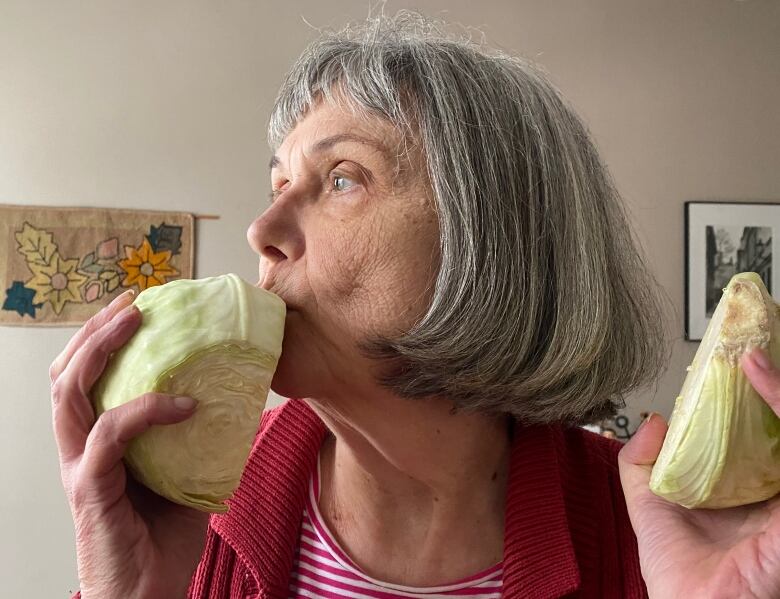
(328, 124)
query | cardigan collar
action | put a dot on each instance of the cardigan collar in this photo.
(264, 517)
(265, 513)
(539, 558)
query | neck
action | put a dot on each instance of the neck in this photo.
(416, 495)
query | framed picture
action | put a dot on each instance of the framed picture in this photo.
(722, 239)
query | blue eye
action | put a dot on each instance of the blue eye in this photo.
(341, 183)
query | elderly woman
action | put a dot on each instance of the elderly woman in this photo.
(463, 290)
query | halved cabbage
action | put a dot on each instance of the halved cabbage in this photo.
(217, 340)
(723, 444)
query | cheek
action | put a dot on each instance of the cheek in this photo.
(338, 265)
(376, 279)
(346, 271)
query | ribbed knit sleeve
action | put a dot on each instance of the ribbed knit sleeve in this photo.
(220, 574)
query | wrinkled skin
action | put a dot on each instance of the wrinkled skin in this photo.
(130, 542)
(726, 553)
(350, 243)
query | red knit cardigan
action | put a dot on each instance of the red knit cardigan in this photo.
(567, 532)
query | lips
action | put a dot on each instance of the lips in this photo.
(290, 307)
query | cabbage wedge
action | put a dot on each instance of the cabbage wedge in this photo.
(217, 340)
(723, 444)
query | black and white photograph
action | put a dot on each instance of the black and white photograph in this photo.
(736, 249)
(723, 239)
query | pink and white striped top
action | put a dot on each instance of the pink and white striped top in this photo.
(323, 570)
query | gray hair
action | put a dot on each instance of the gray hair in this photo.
(543, 307)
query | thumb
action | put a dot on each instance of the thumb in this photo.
(764, 377)
(636, 460)
(645, 445)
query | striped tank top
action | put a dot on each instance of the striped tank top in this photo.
(323, 570)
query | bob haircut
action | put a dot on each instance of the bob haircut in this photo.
(543, 307)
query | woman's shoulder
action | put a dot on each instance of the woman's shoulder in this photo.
(587, 459)
(565, 505)
(595, 501)
(578, 438)
(579, 465)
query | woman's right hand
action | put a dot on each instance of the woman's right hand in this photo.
(130, 542)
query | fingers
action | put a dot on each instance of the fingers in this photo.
(636, 460)
(764, 377)
(92, 325)
(115, 428)
(72, 412)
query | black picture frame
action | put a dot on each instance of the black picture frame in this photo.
(710, 230)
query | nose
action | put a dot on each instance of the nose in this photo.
(276, 234)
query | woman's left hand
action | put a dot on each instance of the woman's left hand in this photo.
(728, 553)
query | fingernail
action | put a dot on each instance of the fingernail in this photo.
(760, 359)
(118, 299)
(647, 419)
(184, 403)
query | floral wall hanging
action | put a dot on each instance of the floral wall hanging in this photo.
(59, 266)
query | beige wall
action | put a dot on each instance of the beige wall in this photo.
(163, 104)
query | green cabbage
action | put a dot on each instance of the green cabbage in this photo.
(723, 444)
(217, 340)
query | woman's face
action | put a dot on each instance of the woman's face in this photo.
(350, 243)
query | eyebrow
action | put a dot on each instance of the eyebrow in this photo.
(328, 142)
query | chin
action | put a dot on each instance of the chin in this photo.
(284, 381)
(295, 368)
